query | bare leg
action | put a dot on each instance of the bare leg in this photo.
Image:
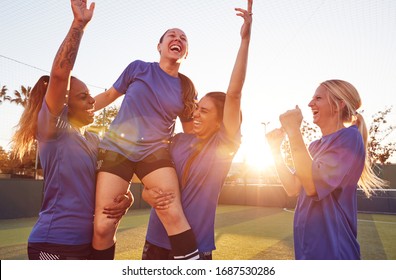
(181, 237)
(172, 218)
(108, 187)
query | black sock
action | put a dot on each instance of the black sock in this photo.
(184, 246)
(107, 254)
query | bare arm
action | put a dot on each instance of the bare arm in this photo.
(65, 58)
(291, 122)
(105, 98)
(290, 182)
(232, 116)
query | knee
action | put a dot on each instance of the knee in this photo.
(104, 228)
(171, 215)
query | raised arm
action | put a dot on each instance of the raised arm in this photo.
(62, 66)
(232, 116)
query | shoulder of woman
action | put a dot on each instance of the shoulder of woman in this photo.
(351, 131)
(137, 63)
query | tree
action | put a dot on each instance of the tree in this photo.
(103, 120)
(379, 130)
(21, 97)
(3, 94)
(26, 165)
(4, 161)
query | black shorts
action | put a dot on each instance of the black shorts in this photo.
(153, 252)
(48, 251)
(119, 165)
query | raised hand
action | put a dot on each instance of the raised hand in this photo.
(291, 120)
(247, 16)
(80, 11)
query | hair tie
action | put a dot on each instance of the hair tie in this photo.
(359, 112)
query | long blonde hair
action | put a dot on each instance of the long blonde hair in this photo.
(24, 138)
(342, 90)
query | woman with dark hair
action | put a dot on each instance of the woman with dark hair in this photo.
(203, 159)
(58, 110)
(155, 94)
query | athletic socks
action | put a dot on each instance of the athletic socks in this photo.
(184, 246)
(107, 254)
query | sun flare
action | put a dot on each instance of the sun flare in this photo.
(256, 155)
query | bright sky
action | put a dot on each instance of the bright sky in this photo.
(295, 45)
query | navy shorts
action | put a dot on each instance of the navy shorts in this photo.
(119, 165)
(153, 252)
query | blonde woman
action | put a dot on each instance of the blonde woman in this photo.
(327, 175)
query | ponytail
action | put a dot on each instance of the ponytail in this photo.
(189, 96)
(24, 137)
(369, 181)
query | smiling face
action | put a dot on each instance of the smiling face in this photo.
(173, 45)
(325, 114)
(81, 104)
(320, 106)
(206, 118)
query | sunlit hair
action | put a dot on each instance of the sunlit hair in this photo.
(188, 90)
(339, 90)
(218, 99)
(24, 137)
(189, 96)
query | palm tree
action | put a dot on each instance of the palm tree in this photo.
(3, 94)
(21, 97)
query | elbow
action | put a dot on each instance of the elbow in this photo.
(58, 77)
(311, 193)
(235, 95)
(311, 190)
(291, 193)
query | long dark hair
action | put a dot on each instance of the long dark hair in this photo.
(189, 96)
(218, 99)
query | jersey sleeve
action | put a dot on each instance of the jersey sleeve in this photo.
(334, 167)
(126, 77)
(48, 125)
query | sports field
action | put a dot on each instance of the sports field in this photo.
(242, 233)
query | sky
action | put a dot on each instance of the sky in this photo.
(295, 45)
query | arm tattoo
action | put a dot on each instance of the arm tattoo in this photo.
(67, 53)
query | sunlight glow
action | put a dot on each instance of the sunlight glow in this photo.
(256, 155)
